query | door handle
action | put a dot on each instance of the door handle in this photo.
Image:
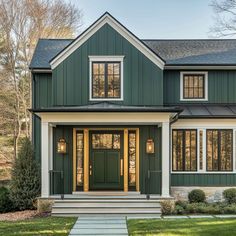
(121, 167)
(90, 169)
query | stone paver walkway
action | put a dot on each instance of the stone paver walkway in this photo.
(100, 225)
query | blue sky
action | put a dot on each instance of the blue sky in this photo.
(163, 19)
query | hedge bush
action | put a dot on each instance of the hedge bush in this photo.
(230, 195)
(167, 207)
(196, 195)
(5, 201)
(25, 184)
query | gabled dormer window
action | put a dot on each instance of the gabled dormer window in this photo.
(193, 86)
(106, 77)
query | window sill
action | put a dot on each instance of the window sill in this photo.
(194, 99)
(106, 99)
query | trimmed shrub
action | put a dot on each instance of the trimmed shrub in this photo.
(179, 210)
(230, 195)
(44, 205)
(5, 201)
(167, 207)
(181, 203)
(196, 195)
(230, 209)
(25, 184)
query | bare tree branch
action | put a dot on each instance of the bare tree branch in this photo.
(22, 23)
(225, 18)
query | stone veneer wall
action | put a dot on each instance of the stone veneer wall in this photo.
(213, 194)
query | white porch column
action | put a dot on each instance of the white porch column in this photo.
(45, 150)
(165, 192)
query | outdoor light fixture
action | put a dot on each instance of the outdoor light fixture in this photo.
(150, 146)
(61, 146)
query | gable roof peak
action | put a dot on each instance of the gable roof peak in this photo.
(121, 29)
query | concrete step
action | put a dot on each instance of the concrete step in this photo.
(106, 210)
(107, 200)
(106, 205)
(128, 215)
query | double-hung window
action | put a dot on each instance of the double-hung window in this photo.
(106, 80)
(193, 86)
(184, 150)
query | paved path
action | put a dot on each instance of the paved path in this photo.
(100, 225)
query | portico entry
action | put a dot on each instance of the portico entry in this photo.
(106, 170)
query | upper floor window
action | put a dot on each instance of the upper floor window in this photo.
(193, 86)
(106, 77)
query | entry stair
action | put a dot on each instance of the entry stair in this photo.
(107, 203)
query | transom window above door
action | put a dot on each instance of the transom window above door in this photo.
(106, 78)
(193, 86)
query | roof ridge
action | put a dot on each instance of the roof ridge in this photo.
(188, 39)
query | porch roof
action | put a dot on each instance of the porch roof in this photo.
(108, 107)
(208, 111)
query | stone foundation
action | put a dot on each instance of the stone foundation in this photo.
(213, 194)
(44, 205)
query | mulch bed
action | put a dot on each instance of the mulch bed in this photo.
(18, 215)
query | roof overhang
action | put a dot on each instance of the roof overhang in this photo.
(107, 19)
(200, 67)
(105, 118)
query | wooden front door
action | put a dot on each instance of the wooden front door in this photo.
(106, 160)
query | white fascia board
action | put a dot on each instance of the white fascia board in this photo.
(106, 19)
(196, 67)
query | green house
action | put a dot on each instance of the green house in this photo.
(114, 113)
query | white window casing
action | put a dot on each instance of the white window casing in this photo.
(204, 125)
(205, 73)
(107, 59)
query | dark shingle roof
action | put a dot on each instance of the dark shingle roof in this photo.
(45, 50)
(195, 52)
(174, 52)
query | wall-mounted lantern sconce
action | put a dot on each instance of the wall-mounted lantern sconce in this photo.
(150, 146)
(61, 146)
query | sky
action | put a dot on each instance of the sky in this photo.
(154, 19)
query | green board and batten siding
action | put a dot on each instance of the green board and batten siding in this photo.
(221, 87)
(143, 80)
(203, 179)
(41, 98)
(64, 162)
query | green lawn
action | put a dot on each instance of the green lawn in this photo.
(183, 227)
(38, 226)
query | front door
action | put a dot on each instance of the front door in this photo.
(106, 160)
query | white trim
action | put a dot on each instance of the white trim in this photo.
(106, 59)
(165, 192)
(196, 67)
(107, 19)
(87, 118)
(204, 125)
(45, 152)
(41, 71)
(205, 73)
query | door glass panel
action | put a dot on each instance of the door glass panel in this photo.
(116, 141)
(106, 141)
(132, 159)
(79, 158)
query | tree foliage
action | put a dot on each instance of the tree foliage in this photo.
(225, 18)
(22, 23)
(25, 183)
